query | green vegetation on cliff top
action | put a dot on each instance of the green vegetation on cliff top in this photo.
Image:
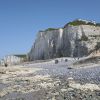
(82, 22)
(76, 23)
(21, 55)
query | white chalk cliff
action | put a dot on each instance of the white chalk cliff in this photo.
(70, 41)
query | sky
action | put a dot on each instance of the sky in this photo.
(20, 20)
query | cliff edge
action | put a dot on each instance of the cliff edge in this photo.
(76, 39)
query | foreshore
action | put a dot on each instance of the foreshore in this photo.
(49, 81)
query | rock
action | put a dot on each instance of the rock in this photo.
(69, 68)
(56, 61)
(66, 60)
(97, 93)
(72, 40)
(11, 60)
(63, 90)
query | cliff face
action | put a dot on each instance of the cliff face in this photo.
(11, 60)
(70, 41)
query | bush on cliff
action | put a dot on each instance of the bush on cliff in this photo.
(50, 29)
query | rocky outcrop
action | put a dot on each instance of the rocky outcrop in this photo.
(70, 41)
(11, 60)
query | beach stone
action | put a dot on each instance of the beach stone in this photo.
(56, 61)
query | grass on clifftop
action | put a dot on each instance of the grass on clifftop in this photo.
(81, 22)
(21, 55)
(50, 29)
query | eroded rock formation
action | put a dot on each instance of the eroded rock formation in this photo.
(69, 41)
